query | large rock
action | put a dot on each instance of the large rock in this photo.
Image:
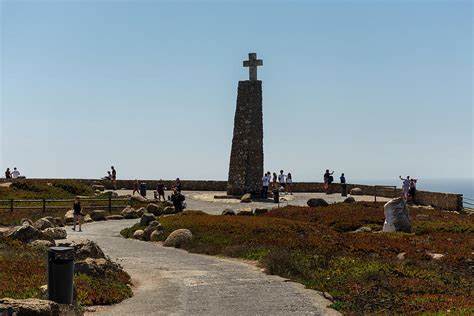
(169, 210)
(96, 267)
(69, 217)
(317, 202)
(246, 198)
(129, 213)
(155, 236)
(42, 224)
(228, 212)
(98, 215)
(139, 199)
(356, 191)
(397, 216)
(42, 243)
(138, 234)
(56, 232)
(349, 199)
(114, 217)
(27, 233)
(146, 219)
(154, 209)
(85, 249)
(178, 238)
(30, 306)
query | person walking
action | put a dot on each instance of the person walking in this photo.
(343, 185)
(265, 184)
(114, 177)
(289, 183)
(135, 187)
(77, 213)
(160, 189)
(8, 174)
(328, 179)
(282, 180)
(405, 187)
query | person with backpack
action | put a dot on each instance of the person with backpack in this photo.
(177, 198)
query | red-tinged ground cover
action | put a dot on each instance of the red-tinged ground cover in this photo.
(316, 246)
(23, 270)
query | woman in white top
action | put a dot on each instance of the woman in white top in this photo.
(289, 183)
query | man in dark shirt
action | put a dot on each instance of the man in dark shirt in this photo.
(343, 185)
(114, 177)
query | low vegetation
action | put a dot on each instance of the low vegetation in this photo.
(23, 270)
(382, 273)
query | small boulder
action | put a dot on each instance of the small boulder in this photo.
(146, 219)
(56, 232)
(435, 256)
(30, 306)
(397, 216)
(114, 217)
(363, 229)
(356, 191)
(138, 234)
(129, 213)
(98, 215)
(349, 199)
(169, 210)
(42, 224)
(150, 229)
(139, 199)
(88, 219)
(178, 237)
(42, 243)
(228, 212)
(401, 256)
(317, 202)
(260, 211)
(155, 235)
(154, 209)
(27, 233)
(96, 267)
(246, 198)
(98, 187)
(26, 221)
(69, 217)
(244, 213)
(85, 249)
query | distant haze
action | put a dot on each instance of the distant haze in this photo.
(374, 89)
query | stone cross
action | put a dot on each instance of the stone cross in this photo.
(253, 63)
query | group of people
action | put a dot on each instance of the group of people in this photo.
(329, 179)
(15, 174)
(408, 188)
(282, 182)
(112, 176)
(176, 197)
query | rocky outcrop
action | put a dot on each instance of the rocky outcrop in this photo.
(178, 238)
(56, 233)
(397, 216)
(98, 215)
(317, 202)
(31, 306)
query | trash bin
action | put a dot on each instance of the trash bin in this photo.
(143, 189)
(276, 196)
(60, 274)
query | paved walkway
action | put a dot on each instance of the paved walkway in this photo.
(171, 281)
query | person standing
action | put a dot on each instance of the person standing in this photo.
(135, 187)
(15, 173)
(289, 183)
(405, 187)
(343, 185)
(177, 198)
(8, 174)
(114, 177)
(327, 181)
(77, 213)
(282, 180)
(412, 190)
(178, 185)
(160, 189)
(265, 184)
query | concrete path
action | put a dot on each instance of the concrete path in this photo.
(171, 281)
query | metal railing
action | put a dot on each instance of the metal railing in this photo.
(384, 187)
(52, 204)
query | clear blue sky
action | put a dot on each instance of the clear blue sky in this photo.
(375, 89)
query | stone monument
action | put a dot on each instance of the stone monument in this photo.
(246, 158)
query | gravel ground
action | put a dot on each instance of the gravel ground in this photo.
(171, 281)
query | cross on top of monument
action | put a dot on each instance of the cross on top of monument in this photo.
(253, 63)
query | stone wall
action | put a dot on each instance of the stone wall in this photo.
(246, 158)
(446, 201)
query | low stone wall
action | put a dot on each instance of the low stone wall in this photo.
(445, 201)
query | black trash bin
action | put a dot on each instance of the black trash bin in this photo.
(276, 196)
(60, 274)
(143, 189)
